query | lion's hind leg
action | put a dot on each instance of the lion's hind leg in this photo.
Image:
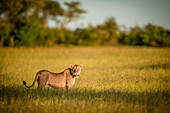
(42, 82)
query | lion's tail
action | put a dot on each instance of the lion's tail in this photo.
(36, 77)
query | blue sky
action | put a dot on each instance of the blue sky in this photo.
(126, 12)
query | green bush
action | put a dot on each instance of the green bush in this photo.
(30, 34)
(151, 35)
(86, 37)
(5, 30)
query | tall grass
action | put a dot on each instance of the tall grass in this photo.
(113, 79)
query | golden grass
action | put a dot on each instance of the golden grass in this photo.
(113, 79)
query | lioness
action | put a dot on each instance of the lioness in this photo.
(63, 79)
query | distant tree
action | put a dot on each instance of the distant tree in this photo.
(51, 9)
(30, 34)
(5, 29)
(21, 18)
(112, 28)
(24, 23)
(158, 35)
(71, 14)
(108, 31)
(86, 36)
(150, 35)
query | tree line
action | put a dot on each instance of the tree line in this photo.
(25, 23)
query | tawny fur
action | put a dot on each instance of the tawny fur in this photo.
(57, 80)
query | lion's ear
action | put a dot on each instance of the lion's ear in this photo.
(81, 65)
(71, 65)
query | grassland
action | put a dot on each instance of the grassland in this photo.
(114, 79)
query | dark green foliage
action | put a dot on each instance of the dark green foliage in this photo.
(4, 34)
(25, 23)
(30, 34)
(158, 35)
(150, 35)
(86, 37)
(108, 32)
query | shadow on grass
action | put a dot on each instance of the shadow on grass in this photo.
(152, 65)
(158, 65)
(111, 95)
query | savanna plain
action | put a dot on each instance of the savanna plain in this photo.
(113, 80)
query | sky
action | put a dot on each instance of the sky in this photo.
(126, 12)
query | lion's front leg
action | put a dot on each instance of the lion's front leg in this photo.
(69, 87)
